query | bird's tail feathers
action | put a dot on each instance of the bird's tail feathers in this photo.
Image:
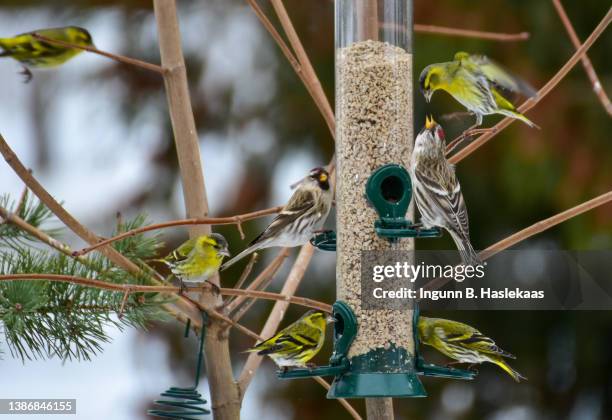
(468, 255)
(506, 367)
(240, 256)
(519, 116)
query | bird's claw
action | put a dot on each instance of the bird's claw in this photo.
(27, 74)
(214, 288)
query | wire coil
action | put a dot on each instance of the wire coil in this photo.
(186, 403)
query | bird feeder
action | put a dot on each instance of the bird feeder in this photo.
(374, 127)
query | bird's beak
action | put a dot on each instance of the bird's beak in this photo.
(427, 95)
(429, 122)
(225, 252)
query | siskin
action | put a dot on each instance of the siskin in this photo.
(437, 192)
(475, 82)
(297, 344)
(463, 343)
(304, 214)
(198, 259)
(35, 53)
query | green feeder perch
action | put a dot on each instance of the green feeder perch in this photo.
(389, 191)
(430, 369)
(325, 241)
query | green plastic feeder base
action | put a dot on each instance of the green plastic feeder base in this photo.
(360, 385)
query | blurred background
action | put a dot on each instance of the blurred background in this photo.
(97, 135)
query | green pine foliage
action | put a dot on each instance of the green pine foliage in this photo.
(43, 319)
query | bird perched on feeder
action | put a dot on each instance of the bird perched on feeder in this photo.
(35, 53)
(304, 214)
(198, 259)
(297, 344)
(437, 192)
(475, 82)
(463, 343)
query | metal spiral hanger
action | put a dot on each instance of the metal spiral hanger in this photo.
(185, 403)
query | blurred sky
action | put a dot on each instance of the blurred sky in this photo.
(97, 136)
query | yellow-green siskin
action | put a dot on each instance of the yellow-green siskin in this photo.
(463, 343)
(297, 344)
(197, 259)
(35, 53)
(475, 82)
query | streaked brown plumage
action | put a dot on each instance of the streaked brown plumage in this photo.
(304, 214)
(437, 191)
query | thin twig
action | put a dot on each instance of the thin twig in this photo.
(267, 272)
(247, 270)
(276, 315)
(117, 57)
(242, 310)
(123, 302)
(531, 102)
(532, 230)
(230, 220)
(469, 33)
(258, 294)
(586, 62)
(314, 84)
(342, 401)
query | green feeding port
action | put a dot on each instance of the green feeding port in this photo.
(389, 191)
(430, 369)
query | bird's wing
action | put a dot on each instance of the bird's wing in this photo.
(463, 335)
(182, 252)
(500, 77)
(300, 203)
(472, 89)
(448, 199)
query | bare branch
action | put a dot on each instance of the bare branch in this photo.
(469, 33)
(267, 273)
(532, 230)
(230, 220)
(247, 270)
(309, 303)
(530, 103)
(311, 79)
(223, 389)
(277, 313)
(586, 62)
(120, 58)
(342, 401)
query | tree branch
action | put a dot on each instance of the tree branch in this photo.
(120, 58)
(531, 102)
(586, 62)
(223, 389)
(532, 230)
(230, 220)
(469, 33)
(276, 315)
(267, 272)
(310, 78)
